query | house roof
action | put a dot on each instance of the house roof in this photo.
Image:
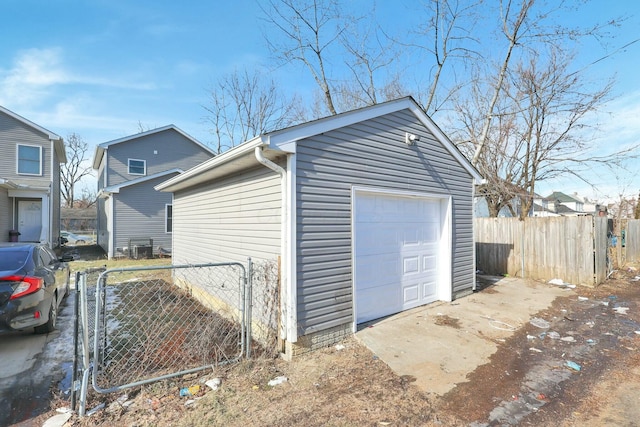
(116, 188)
(284, 141)
(101, 148)
(562, 197)
(58, 142)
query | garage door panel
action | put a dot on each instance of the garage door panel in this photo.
(373, 272)
(369, 307)
(429, 263)
(429, 290)
(411, 265)
(396, 244)
(411, 295)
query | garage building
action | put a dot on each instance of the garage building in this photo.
(367, 213)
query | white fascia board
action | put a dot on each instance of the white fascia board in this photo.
(7, 183)
(286, 139)
(98, 155)
(450, 146)
(183, 180)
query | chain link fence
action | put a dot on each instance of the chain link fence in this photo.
(143, 324)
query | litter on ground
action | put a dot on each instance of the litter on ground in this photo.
(539, 323)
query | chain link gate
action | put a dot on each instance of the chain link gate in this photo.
(143, 324)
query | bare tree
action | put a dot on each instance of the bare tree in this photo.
(528, 25)
(88, 198)
(450, 46)
(75, 169)
(553, 105)
(310, 29)
(243, 105)
(370, 56)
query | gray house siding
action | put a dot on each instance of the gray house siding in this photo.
(6, 214)
(139, 212)
(44, 186)
(371, 153)
(12, 133)
(161, 151)
(229, 219)
(102, 237)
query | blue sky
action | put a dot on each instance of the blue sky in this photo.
(101, 67)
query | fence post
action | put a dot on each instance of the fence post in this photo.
(249, 305)
(76, 322)
(522, 246)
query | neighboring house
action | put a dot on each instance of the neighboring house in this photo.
(30, 158)
(369, 212)
(564, 204)
(130, 211)
(538, 209)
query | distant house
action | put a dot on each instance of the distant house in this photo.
(556, 204)
(564, 204)
(366, 213)
(130, 211)
(30, 158)
(538, 209)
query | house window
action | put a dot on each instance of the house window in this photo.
(137, 167)
(29, 160)
(169, 218)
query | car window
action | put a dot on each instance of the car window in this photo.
(13, 259)
(46, 258)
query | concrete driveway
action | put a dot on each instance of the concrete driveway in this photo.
(440, 343)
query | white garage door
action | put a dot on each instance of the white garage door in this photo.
(396, 242)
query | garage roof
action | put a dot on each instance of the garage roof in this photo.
(284, 141)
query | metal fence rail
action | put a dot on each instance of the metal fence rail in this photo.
(85, 308)
(139, 325)
(154, 323)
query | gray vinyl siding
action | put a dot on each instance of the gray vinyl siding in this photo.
(370, 153)
(12, 133)
(229, 219)
(6, 215)
(173, 151)
(102, 232)
(140, 213)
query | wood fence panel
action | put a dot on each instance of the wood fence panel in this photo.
(632, 240)
(601, 249)
(539, 248)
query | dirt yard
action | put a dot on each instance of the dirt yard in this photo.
(529, 380)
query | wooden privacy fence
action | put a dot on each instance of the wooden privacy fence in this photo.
(574, 249)
(632, 240)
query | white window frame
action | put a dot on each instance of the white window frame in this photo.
(166, 218)
(18, 160)
(144, 167)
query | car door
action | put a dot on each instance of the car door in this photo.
(53, 271)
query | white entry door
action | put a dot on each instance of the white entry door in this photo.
(29, 220)
(396, 241)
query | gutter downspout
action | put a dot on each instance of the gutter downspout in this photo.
(288, 327)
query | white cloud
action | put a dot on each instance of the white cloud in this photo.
(36, 74)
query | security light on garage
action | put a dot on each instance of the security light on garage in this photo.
(410, 138)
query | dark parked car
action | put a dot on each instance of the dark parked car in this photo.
(33, 282)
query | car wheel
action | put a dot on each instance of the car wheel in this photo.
(80, 242)
(50, 326)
